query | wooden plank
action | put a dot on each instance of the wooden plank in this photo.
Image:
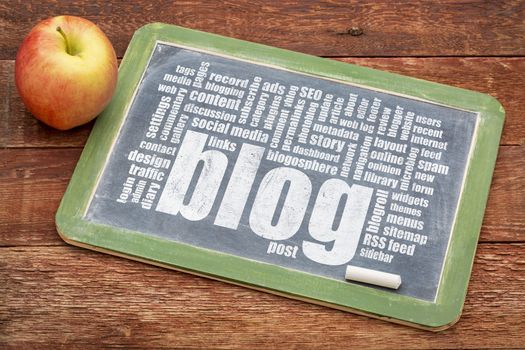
(389, 28)
(503, 78)
(85, 298)
(34, 181)
(505, 214)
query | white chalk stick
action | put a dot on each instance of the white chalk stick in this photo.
(378, 278)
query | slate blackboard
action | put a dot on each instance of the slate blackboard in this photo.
(373, 139)
(281, 172)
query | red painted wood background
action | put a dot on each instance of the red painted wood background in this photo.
(54, 295)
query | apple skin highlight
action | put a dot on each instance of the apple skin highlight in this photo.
(62, 89)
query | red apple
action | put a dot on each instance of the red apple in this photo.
(66, 71)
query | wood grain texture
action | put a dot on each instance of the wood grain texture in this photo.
(72, 298)
(503, 78)
(390, 28)
(34, 181)
(56, 296)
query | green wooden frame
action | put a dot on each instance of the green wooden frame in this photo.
(437, 315)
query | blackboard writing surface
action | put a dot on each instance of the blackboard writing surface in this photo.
(288, 169)
(369, 143)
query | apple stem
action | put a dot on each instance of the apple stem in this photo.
(68, 48)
